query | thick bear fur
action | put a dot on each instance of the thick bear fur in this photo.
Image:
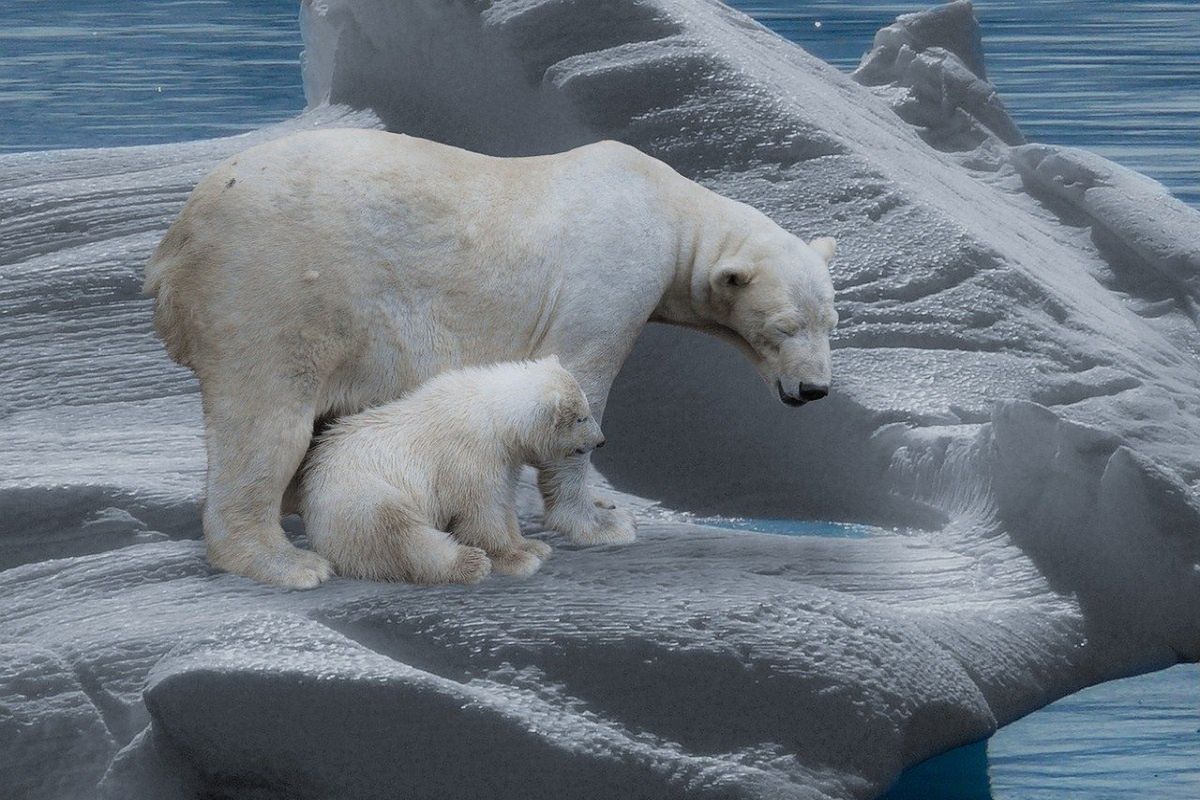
(330, 271)
(424, 488)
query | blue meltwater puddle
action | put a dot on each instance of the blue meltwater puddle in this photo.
(792, 527)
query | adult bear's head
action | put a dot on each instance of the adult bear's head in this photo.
(774, 292)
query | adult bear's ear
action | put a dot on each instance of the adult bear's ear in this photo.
(825, 246)
(731, 276)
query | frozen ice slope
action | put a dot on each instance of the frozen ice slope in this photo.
(1015, 375)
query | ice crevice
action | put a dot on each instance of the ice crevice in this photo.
(1015, 394)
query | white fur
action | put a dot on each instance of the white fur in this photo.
(382, 488)
(333, 270)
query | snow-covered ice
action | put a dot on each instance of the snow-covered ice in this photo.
(1016, 392)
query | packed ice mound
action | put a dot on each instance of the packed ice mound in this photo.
(932, 63)
(1148, 232)
(700, 663)
(1016, 392)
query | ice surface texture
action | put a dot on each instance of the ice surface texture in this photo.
(1015, 373)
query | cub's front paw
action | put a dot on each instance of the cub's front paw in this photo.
(518, 563)
(537, 548)
(471, 565)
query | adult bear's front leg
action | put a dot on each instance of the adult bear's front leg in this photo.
(572, 510)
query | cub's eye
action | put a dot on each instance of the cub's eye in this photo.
(785, 331)
(580, 420)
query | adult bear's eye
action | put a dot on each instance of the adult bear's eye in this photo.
(581, 420)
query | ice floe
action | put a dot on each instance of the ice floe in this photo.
(1016, 392)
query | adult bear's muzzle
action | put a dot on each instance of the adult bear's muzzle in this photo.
(804, 393)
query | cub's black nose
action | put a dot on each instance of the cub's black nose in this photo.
(813, 391)
(601, 443)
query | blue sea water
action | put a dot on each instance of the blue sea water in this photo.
(1120, 78)
(1132, 739)
(101, 73)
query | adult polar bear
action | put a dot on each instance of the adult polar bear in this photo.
(333, 270)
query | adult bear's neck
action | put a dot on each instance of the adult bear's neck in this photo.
(704, 223)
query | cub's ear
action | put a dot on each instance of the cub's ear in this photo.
(731, 276)
(825, 246)
(553, 405)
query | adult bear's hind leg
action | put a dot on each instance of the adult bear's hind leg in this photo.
(253, 451)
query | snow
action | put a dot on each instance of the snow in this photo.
(1016, 395)
(1151, 232)
(47, 719)
(578, 669)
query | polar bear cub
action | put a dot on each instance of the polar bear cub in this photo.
(423, 489)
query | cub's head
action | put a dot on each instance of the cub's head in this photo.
(565, 422)
(774, 295)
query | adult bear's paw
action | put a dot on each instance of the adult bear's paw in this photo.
(601, 523)
(282, 565)
(615, 526)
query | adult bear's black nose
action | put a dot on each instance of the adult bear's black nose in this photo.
(813, 391)
(787, 397)
(601, 443)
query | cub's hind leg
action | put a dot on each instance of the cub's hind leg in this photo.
(496, 530)
(388, 543)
